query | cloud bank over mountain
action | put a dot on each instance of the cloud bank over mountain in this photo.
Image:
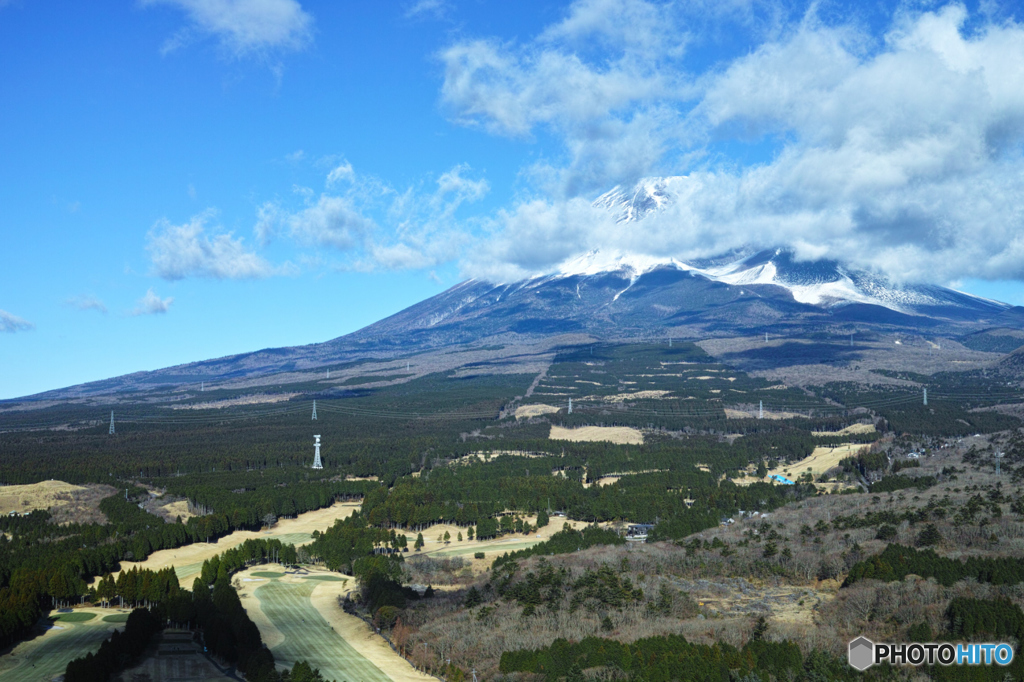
(898, 152)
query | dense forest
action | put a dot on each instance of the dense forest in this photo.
(447, 447)
(896, 562)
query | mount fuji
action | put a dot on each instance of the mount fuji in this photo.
(611, 295)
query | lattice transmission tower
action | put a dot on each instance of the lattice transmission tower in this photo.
(317, 464)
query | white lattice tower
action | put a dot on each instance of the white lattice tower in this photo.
(111, 421)
(317, 464)
(314, 411)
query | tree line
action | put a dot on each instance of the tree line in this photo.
(895, 562)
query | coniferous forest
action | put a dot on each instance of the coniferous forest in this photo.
(449, 449)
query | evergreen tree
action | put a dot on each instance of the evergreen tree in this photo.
(929, 536)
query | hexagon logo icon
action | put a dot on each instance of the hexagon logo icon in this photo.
(862, 653)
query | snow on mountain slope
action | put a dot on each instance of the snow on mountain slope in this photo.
(823, 283)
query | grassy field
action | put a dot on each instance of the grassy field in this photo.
(307, 636)
(46, 656)
(116, 618)
(188, 560)
(75, 617)
(267, 574)
(610, 434)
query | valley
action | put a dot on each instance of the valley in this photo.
(469, 515)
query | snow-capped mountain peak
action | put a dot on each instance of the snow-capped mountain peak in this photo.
(647, 196)
(822, 283)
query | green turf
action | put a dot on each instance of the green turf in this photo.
(309, 637)
(44, 658)
(292, 538)
(266, 574)
(188, 569)
(74, 617)
(328, 578)
(116, 618)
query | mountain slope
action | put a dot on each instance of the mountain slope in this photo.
(611, 295)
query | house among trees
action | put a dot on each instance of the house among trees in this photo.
(637, 532)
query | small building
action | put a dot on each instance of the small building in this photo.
(637, 532)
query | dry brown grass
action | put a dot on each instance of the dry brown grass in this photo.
(851, 429)
(723, 609)
(67, 503)
(537, 410)
(492, 547)
(621, 435)
(732, 413)
(195, 554)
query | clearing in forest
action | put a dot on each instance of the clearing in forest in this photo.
(302, 634)
(622, 435)
(527, 411)
(820, 461)
(46, 656)
(188, 559)
(851, 429)
(731, 413)
(66, 502)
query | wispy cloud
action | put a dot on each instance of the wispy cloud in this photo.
(87, 302)
(243, 27)
(12, 323)
(151, 304)
(180, 251)
(898, 152)
(375, 226)
(607, 80)
(340, 173)
(435, 9)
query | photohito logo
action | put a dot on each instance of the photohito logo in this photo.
(863, 653)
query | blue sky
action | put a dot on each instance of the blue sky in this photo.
(184, 179)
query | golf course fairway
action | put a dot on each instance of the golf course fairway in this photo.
(45, 657)
(308, 637)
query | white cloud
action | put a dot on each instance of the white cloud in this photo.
(436, 9)
(605, 79)
(243, 27)
(901, 153)
(180, 251)
(151, 304)
(373, 224)
(88, 302)
(341, 172)
(332, 221)
(12, 323)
